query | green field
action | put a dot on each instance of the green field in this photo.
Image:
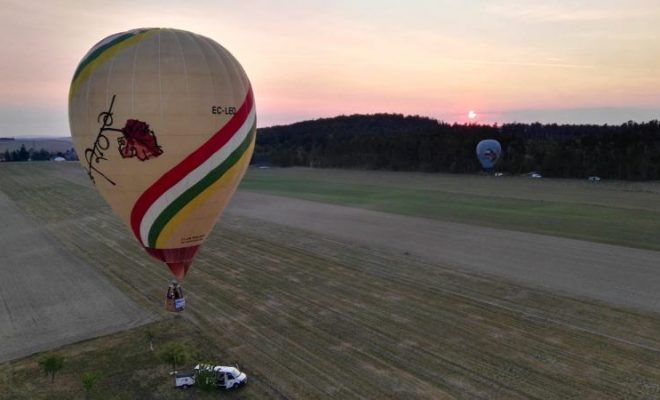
(621, 213)
(312, 317)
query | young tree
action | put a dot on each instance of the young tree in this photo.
(174, 354)
(149, 335)
(51, 364)
(206, 379)
(89, 380)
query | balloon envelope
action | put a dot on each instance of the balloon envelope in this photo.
(164, 122)
(488, 152)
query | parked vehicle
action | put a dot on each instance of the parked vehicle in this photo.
(184, 380)
(225, 377)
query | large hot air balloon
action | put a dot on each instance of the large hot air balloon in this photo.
(488, 152)
(164, 122)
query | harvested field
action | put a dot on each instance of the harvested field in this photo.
(613, 274)
(312, 315)
(49, 297)
(617, 212)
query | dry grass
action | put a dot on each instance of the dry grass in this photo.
(617, 212)
(311, 317)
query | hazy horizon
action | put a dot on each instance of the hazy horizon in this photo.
(579, 117)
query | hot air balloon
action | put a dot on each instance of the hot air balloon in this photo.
(488, 152)
(164, 122)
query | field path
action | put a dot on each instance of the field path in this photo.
(49, 298)
(614, 274)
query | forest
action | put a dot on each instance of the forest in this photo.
(24, 154)
(630, 151)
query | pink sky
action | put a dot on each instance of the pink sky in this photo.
(598, 61)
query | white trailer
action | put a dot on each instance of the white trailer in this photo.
(184, 380)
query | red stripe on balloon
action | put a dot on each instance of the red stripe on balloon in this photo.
(194, 160)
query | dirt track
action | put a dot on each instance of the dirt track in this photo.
(49, 298)
(614, 274)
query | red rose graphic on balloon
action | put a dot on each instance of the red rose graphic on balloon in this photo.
(138, 141)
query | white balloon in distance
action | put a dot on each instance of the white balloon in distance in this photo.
(164, 122)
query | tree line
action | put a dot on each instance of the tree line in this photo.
(24, 154)
(630, 151)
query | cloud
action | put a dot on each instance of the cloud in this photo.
(548, 63)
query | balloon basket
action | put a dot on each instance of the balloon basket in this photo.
(174, 300)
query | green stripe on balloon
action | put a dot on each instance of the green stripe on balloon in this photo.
(96, 53)
(186, 197)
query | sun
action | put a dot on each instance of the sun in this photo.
(472, 115)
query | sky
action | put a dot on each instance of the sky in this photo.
(577, 61)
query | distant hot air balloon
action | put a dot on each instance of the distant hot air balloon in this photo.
(164, 121)
(488, 152)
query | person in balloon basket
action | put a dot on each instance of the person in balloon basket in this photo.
(170, 300)
(179, 300)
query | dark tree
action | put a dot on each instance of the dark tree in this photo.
(41, 155)
(23, 154)
(51, 364)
